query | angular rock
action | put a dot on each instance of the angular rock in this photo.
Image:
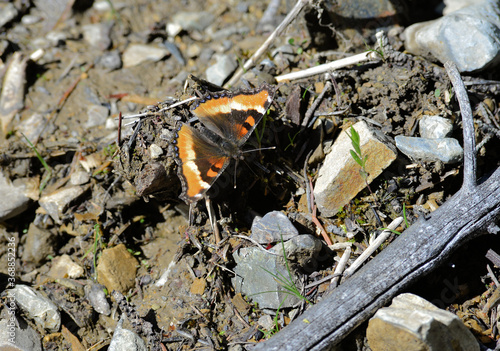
(257, 271)
(273, 227)
(64, 267)
(339, 179)
(467, 37)
(18, 201)
(40, 243)
(189, 21)
(136, 54)
(435, 127)
(116, 269)
(16, 335)
(97, 115)
(124, 339)
(220, 71)
(447, 150)
(57, 202)
(37, 307)
(412, 323)
(97, 35)
(97, 298)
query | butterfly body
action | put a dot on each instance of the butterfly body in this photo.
(228, 119)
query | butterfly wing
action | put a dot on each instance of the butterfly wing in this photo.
(200, 163)
(234, 116)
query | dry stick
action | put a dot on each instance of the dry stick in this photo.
(423, 247)
(340, 267)
(213, 220)
(277, 32)
(348, 61)
(470, 181)
(374, 246)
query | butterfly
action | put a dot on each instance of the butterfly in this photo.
(228, 119)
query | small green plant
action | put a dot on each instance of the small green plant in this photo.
(437, 93)
(96, 246)
(292, 140)
(358, 157)
(46, 179)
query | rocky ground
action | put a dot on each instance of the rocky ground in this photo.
(90, 206)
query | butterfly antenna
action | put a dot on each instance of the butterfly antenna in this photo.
(259, 149)
(235, 168)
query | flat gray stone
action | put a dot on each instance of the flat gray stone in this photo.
(273, 227)
(124, 339)
(16, 335)
(37, 307)
(468, 37)
(18, 201)
(220, 71)
(136, 54)
(447, 150)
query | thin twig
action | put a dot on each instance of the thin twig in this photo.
(348, 61)
(470, 180)
(264, 47)
(340, 268)
(374, 246)
(315, 104)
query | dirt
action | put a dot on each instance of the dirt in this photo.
(132, 199)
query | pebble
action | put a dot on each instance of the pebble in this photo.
(37, 307)
(33, 126)
(124, 339)
(136, 54)
(26, 338)
(97, 35)
(79, 178)
(39, 244)
(116, 269)
(467, 37)
(339, 179)
(412, 323)
(435, 127)
(189, 21)
(57, 202)
(12, 98)
(56, 38)
(155, 151)
(221, 70)
(273, 227)
(97, 298)
(18, 201)
(446, 150)
(96, 116)
(64, 267)
(7, 13)
(110, 60)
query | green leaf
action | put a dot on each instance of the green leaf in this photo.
(356, 158)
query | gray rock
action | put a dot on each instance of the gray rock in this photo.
(468, 37)
(136, 54)
(18, 201)
(273, 227)
(97, 298)
(193, 20)
(412, 323)
(124, 339)
(40, 243)
(37, 307)
(79, 178)
(435, 127)
(64, 267)
(56, 203)
(447, 150)
(220, 71)
(110, 60)
(97, 115)
(302, 249)
(33, 126)
(256, 273)
(7, 13)
(16, 335)
(97, 35)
